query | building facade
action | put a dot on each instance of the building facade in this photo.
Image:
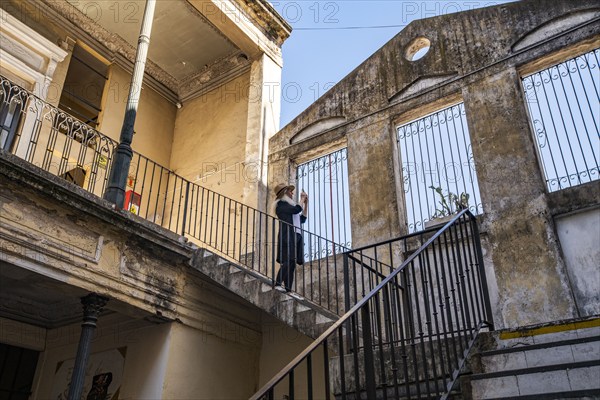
(494, 110)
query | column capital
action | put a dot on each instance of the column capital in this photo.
(92, 307)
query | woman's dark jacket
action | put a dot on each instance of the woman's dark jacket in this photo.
(289, 250)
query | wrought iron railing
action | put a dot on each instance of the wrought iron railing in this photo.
(58, 143)
(409, 336)
(563, 103)
(435, 152)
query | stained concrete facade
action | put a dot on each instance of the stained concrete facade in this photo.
(177, 326)
(476, 57)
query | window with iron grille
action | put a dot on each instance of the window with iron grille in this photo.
(437, 159)
(564, 110)
(325, 179)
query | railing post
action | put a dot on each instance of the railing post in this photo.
(368, 353)
(482, 276)
(291, 385)
(346, 283)
(185, 207)
(274, 249)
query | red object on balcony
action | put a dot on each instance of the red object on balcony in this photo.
(132, 202)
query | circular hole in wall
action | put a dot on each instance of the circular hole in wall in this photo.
(417, 49)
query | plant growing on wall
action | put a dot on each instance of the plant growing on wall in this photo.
(450, 203)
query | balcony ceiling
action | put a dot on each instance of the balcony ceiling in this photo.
(42, 301)
(37, 300)
(183, 42)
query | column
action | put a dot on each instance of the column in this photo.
(92, 306)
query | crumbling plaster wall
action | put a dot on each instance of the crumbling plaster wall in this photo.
(56, 229)
(476, 57)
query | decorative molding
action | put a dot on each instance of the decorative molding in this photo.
(117, 50)
(213, 76)
(317, 127)
(109, 45)
(257, 16)
(420, 84)
(36, 244)
(34, 40)
(23, 71)
(239, 13)
(555, 27)
(168, 92)
(22, 53)
(27, 54)
(92, 304)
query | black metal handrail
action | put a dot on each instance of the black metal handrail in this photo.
(59, 143)
(401, 343)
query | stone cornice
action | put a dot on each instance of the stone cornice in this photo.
(267, 18)
(152, 235)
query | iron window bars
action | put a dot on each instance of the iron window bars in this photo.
(564, 110)
(326, 180)
(435, 152)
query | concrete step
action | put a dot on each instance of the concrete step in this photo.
(406, 391)
(574, 395)
(506, 340)
(544, 362)
(541, 354)
(549, 380)
(291, 308)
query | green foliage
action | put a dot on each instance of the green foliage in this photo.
(450, 203)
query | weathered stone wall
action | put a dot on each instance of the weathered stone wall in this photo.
(477, 57)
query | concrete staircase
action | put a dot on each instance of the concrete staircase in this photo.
(553, 362)
(297, 312)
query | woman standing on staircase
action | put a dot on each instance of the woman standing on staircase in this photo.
(290, 245)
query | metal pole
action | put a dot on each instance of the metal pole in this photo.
(115, 192)
(92, 306)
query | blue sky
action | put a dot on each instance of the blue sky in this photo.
(331, 38)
